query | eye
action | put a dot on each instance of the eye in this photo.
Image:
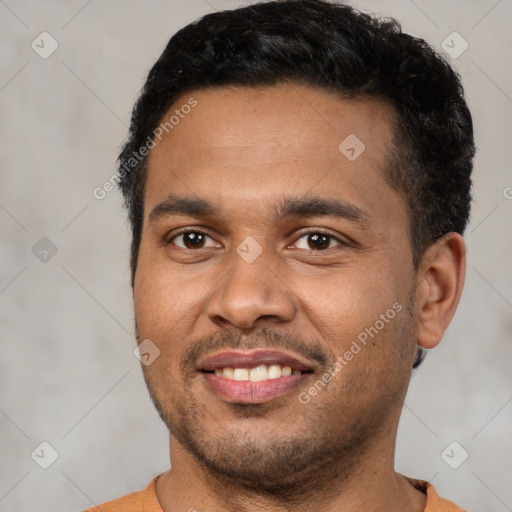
(192, 240)
(317, 241)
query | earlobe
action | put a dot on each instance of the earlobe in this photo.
(440, 283)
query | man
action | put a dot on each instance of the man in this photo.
(298, 182)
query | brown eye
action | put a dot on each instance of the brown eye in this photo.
(192, 240)
(317, 241)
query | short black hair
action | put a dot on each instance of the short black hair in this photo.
(340, 50)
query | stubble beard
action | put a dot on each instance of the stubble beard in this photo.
(285, 467)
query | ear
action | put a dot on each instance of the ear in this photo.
(439, 287)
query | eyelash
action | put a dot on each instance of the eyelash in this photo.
(304, 234)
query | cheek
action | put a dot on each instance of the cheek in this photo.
(348, 298)
(168, 305)
(161, 295)
(362, 316)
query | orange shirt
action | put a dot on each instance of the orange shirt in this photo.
(146, 501)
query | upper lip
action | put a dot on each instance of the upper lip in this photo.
(253, 358)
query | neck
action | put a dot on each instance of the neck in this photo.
(368, 482)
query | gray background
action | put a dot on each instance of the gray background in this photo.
(68, 375)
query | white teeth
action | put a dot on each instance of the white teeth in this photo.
(286, 371)
(241, 374)
(274, 371)
(259, 373)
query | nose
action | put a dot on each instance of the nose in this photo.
(249, 295)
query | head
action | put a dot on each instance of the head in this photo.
(253, 118)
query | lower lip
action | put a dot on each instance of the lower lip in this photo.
(249, 392)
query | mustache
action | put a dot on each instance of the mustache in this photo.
(260, 338)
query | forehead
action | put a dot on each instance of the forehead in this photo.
(290, 116)
(243, 144)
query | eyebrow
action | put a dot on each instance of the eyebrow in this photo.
(285, 209)
(174, 205)
(318, 207)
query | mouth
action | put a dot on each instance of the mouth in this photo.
(254, 376)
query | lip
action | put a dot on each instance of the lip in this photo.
(248, 392)
(253, 358)
(253, 392)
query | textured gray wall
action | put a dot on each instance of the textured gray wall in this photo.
(68, 376)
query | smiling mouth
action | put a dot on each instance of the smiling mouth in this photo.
(255, 376)
(259, 373)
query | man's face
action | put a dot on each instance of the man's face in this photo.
(265, 270)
